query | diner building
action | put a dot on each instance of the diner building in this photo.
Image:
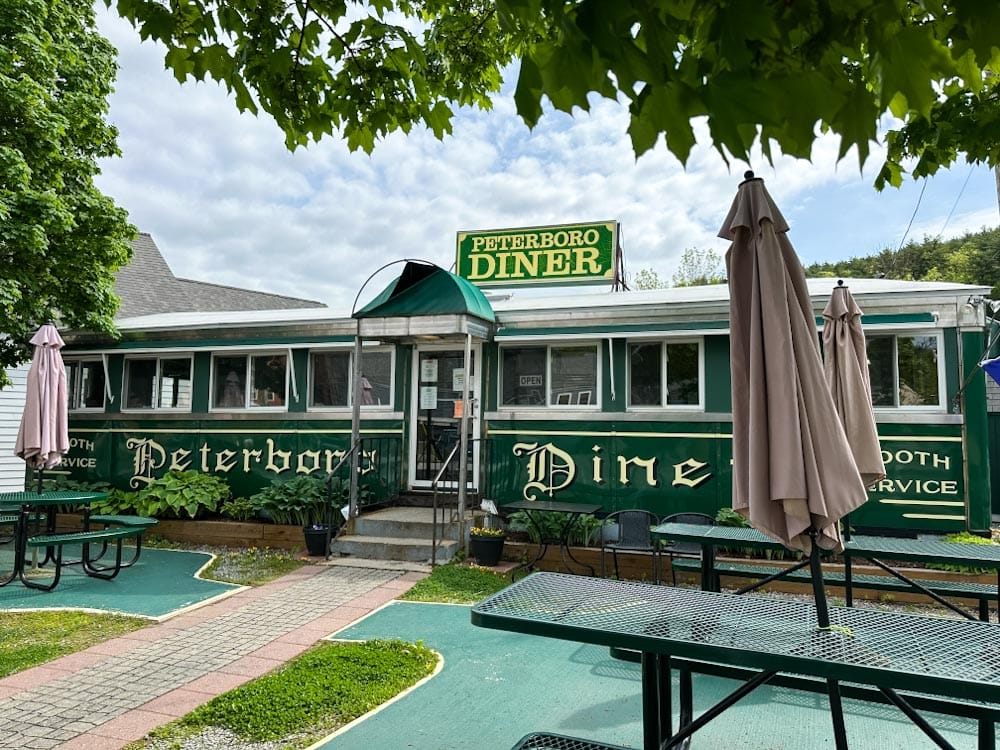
(582, 394)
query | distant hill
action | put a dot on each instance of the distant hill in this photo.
(973, 258)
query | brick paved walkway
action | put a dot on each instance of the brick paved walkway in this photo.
(117, 691)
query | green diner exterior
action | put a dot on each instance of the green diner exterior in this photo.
(620, 398)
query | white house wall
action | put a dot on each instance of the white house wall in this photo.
(11, 406)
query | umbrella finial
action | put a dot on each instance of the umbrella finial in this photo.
(748, 175)
(840, 282)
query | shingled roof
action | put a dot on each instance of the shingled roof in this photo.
(147, 286)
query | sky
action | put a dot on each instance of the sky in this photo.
(227, 203)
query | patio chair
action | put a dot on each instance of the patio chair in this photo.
(633, 536)
(685, 549)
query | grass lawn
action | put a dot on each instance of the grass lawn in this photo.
(28, 639)
(328, 686)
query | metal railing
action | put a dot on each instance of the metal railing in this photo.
(448, 474)
(379, 476)
(380, 470)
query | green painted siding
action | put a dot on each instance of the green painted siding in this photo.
(718, 375)
(976, 435)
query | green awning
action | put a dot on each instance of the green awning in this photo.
(426, 290)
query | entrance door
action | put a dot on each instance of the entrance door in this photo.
(436, 413)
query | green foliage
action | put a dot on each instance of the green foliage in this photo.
(61, 240)
(181, 493)
(551, 526)
(771, 76)
(301, 500)
(328, 686)
(457, 584)
(239, 508)
(973, 258)
(118, 502)
(647, 278)
(729, 517)
(31, 638)
(963, 537)
(699, 267)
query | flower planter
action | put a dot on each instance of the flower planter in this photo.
(487, 550)
(315, 536)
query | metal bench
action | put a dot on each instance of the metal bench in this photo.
(142, 523)
(56, 542)
(984, 593)
(986, 714)
(548, 741)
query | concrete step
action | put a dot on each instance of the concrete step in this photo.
(409, 522)
(392, 548)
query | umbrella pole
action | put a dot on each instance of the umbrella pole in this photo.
(819, 589)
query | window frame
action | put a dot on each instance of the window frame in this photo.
(664, 374)
(250, 356)
(349, 351)
(552, 399)
(189, 356)
(73, 386)
(942, 385)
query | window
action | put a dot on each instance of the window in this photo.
(549, 376)
(330, 379)
(249, 381)
(905, 370)
(158, 383)
(85, 384)
(664, 373)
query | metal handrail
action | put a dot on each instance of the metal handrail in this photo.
(435, 486)
(329, 494)
(434, 503)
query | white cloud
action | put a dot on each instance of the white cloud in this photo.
(227, 203)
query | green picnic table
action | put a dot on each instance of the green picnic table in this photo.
(953, 661)
(875, 549)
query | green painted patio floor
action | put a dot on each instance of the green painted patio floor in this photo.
(496, 687)
(161, 582)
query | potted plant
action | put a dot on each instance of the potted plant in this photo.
(303, 501)
(486, 544)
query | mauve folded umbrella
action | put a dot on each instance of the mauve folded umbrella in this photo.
(43, 436)
(845, 363)
(794, 476)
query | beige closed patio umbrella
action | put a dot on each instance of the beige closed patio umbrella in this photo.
(43, 435)
(794, 476)
(845, 364)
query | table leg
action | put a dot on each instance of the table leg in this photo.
(564, 547)
(650, 702)
(22, 519)
(542, 546)
(837, 714)
(849, 588)
(708, 579)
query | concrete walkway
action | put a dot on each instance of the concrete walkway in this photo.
(117, 691)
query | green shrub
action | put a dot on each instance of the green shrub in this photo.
(963, 537)
(118, 502)
(729, 517)
(239, 509)
(552, 525)
(301, 500)
(178, 493)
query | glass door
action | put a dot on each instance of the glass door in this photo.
(436, 418)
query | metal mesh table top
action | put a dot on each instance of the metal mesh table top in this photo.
(958, 658)
(929, 550)
(49, 498)
(715, 535)
(552, 506)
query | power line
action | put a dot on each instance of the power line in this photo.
(955, 204)
(915, 209)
